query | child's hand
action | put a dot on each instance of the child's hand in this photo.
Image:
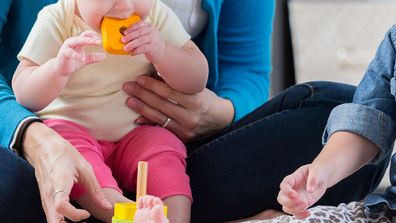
(72, 57)
(300, 190)
(144, 38)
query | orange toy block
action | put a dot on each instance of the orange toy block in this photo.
(112, 31)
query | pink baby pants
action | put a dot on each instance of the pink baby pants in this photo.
(117, 162)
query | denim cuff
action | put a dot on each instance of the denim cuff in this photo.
(365, 121)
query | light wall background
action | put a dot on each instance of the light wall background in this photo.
(336, 39)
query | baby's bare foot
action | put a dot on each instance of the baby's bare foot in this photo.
(150, 210)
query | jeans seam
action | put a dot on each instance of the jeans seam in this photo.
(311, 94)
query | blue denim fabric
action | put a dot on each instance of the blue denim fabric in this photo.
(236, 173)
(19, 196)
(366, 121)
(373, 114)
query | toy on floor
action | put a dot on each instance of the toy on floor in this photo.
(112, 31)
(125, 212)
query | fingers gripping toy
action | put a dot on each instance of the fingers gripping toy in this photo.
(125, 212)
(112, 31)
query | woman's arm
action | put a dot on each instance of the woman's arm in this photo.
(239, 75)
(244, 53)
(13, 115)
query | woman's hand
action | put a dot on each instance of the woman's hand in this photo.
(58, 165)
(191, 116)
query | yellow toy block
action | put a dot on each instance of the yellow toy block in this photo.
(112, 32)
(125, 212)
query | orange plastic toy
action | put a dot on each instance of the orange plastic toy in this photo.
(112, 32)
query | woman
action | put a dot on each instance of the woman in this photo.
(239, 148)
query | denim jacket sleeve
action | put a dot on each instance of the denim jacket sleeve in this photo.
(372, 113)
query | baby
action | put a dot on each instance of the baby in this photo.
(67, 78)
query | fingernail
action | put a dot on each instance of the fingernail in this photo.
(131, 102)
(138, 121)
(129, 88)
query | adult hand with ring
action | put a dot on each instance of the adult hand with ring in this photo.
(58, 165)
(60, 191)
(167, 121)
(190, 115)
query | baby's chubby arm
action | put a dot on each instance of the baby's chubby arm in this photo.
(35, 86)
(184, 69)
(344, 153)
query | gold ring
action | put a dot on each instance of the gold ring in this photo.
(60, 191)
(166, 122)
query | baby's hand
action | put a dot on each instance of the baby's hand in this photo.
(144, 38)
(300, 190)
(72, 57)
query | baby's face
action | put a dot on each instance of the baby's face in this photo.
(93, 11)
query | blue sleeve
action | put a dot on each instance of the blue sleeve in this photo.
(12, 113)
(373, 111)
(17, 18)
(244, 41)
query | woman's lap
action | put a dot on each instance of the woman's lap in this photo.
(19, 195)
(237, 173)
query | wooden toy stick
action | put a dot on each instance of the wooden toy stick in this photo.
(141, 187)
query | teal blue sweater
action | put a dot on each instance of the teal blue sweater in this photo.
(238, 50)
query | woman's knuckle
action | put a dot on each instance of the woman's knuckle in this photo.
(157, 102)
(58, 205)
(194, 121)
(168, 93)
(85, 167)
(189, 134)
(191, 123)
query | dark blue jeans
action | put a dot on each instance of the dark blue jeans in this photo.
(19, 195)
(236, 173)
